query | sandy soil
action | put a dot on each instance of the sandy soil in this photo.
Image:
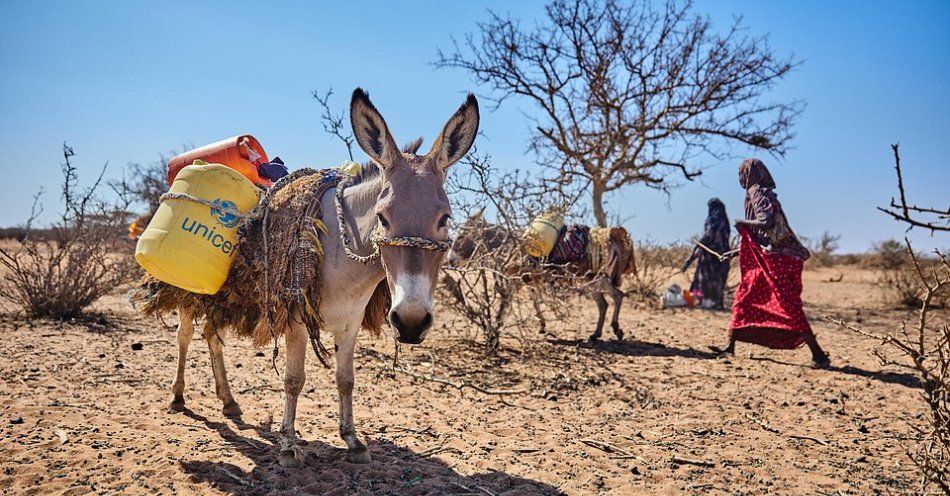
(82, 411)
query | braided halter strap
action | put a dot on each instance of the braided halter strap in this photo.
(413, 242)
(402, 241)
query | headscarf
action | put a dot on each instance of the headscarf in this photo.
(753, 172)
(716, 230)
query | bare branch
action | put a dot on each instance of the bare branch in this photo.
(334, 124)
(904, 212)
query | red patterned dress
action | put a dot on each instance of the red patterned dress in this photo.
(767, 309)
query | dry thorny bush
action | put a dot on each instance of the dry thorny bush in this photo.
(656, 264)
(482, 286)
(823, 249)
(895, 274)
(85, 255)
(146, 183)
(924, 350)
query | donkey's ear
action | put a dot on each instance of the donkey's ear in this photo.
(371, 132)
(458, 135)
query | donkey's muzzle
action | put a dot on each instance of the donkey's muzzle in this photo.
(411, 331)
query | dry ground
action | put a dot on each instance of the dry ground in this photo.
(81, 412)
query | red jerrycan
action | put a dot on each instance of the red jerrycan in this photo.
(242, 153)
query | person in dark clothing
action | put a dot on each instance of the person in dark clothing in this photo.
(767, 309)
(711, 272)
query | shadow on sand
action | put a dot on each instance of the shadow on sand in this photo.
(642, 348)
(907, 380)
(394, 470)
(634, 348)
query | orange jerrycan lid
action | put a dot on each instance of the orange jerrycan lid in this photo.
(242, 153)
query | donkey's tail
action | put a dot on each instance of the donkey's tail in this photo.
(632, 262)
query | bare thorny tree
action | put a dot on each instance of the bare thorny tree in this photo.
(628, 93)
(924, 348)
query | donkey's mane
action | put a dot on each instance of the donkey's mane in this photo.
(369, 170)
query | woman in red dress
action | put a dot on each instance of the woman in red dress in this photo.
(767, 308)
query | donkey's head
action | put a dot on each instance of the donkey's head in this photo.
(412, 209)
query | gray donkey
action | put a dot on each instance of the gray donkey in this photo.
(607, 261)
(369, 250)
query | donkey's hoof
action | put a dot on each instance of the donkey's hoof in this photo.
(176, 406)
(358, 456)
(232, 410)
(593, 339)
(288, 459)
(619, 333)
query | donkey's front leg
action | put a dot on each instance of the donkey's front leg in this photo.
(345, 341)
(295, 375)
(186, 330)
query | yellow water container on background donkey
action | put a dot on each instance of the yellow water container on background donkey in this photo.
(541, 235)
(192, 238)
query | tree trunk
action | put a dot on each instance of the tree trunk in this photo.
(492, 341)
(597, 199)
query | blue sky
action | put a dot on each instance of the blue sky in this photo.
(125, 81)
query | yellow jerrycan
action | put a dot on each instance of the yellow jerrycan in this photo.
(542, 233)
(191, 240)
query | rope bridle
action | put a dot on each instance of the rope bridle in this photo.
(377, 240)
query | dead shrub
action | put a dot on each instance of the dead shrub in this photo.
(899, 287)
(146, 183)
(17, 233)
(889, 254)
(895, 275)
(481, 286)
(853, 259)
(482, 295)
(823, 249)
(83, 257)
(924, 350)
(656, 264)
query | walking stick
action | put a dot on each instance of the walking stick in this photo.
(708, 249)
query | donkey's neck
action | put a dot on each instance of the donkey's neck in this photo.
(347, 285)
(359, 210)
